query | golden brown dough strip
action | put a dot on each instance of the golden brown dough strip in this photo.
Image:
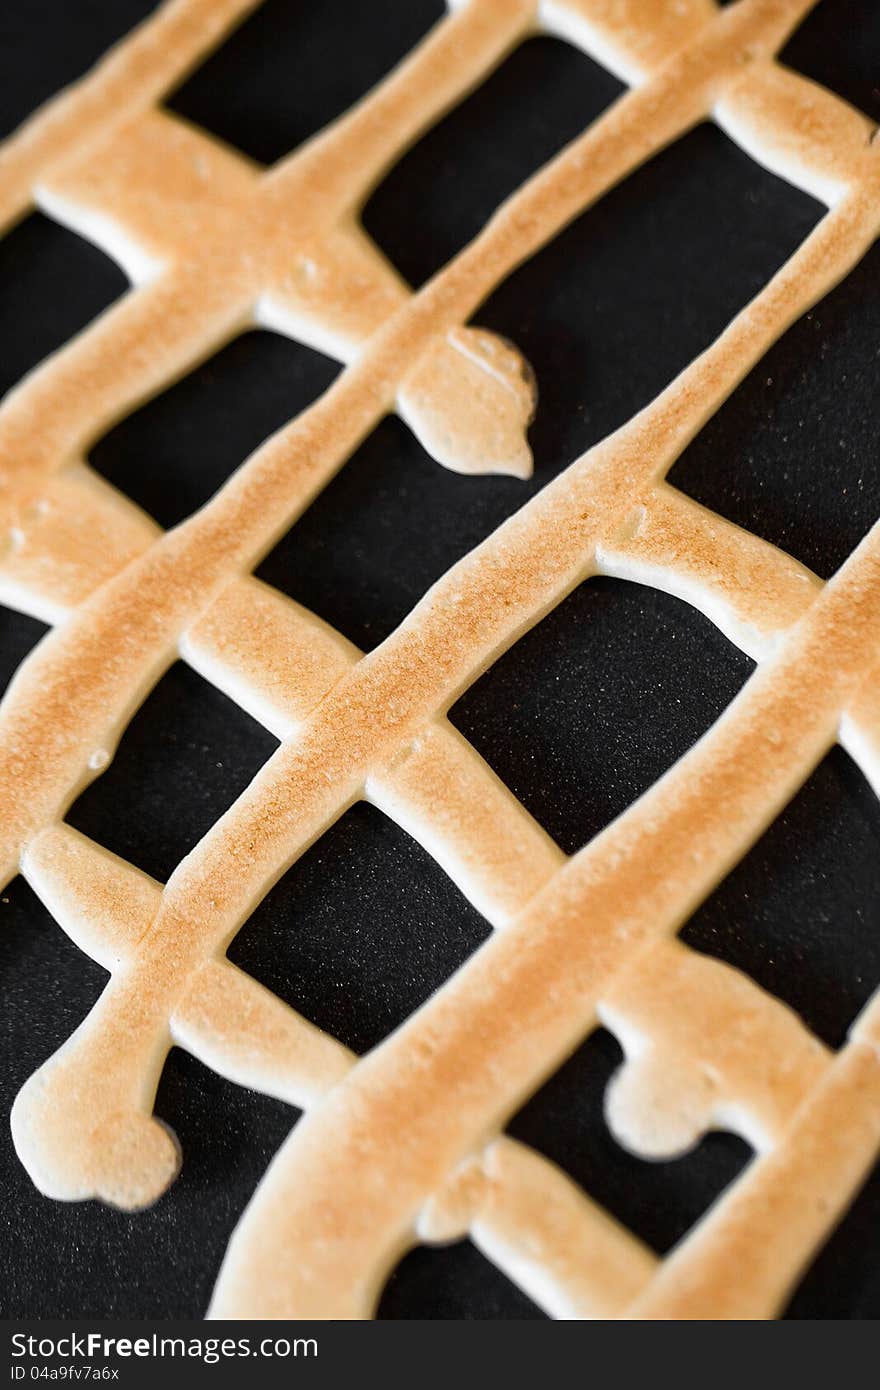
(374, 725)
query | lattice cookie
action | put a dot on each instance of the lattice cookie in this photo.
(406, 1144)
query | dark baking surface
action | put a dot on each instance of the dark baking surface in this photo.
(578, 718)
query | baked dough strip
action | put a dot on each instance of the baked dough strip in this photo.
(849, 229)
(245, 252)
(335, 398)
(340, 1200)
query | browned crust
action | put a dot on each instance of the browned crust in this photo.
(215, 244)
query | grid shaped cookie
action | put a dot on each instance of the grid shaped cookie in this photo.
(407, 1143)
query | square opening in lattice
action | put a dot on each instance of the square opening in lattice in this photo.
(439, 195)
(289, 69)
(793, 455)
(800, 913)
(385, 528)
(588, 709)
(178, 449)
(19, 634)
(52, 283)
(185, 757)
(452, 1282)
(844, 1279)
(622, 300)
(46, 46)
(838, 46)
(657, 1201)
(360, 931)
